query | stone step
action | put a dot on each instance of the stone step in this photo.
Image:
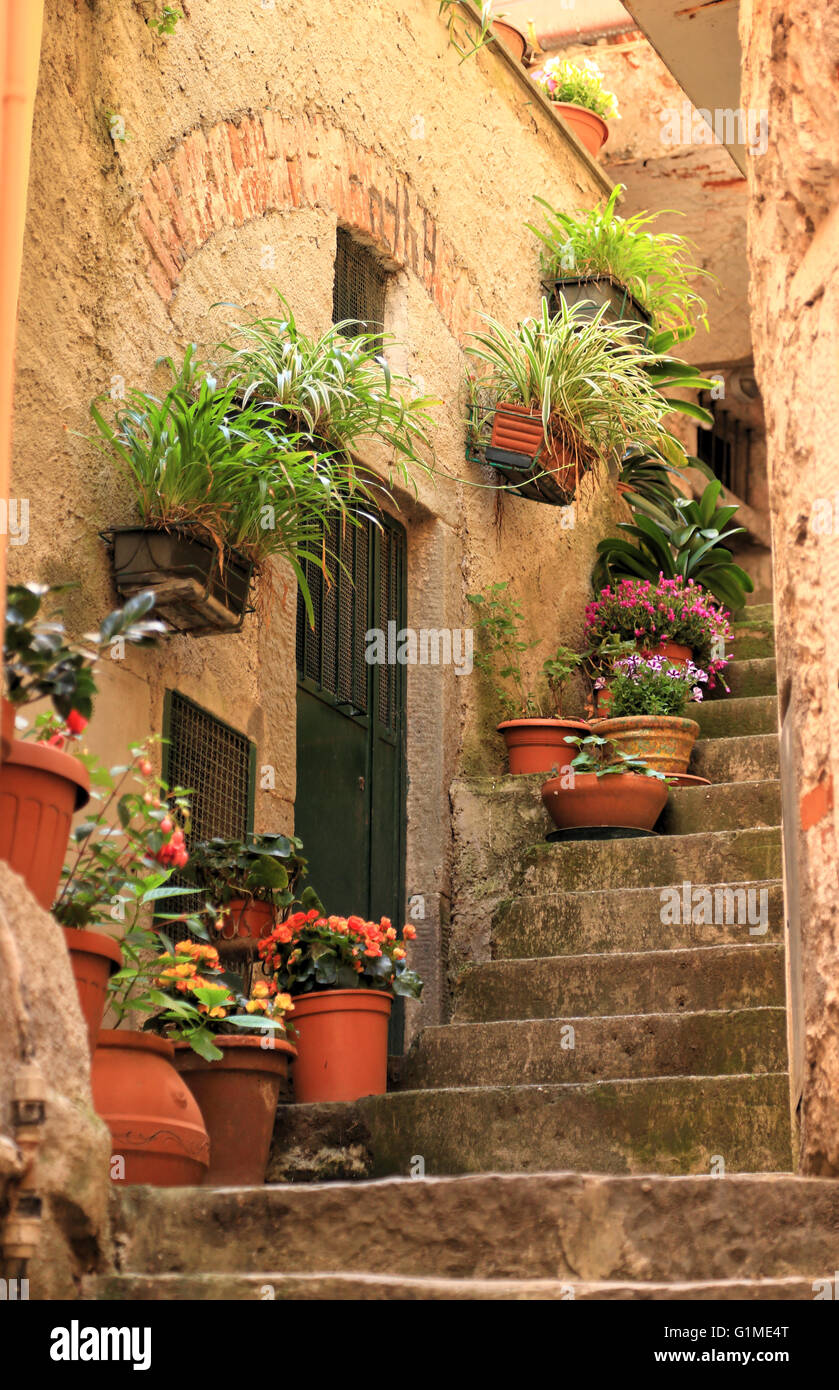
(554, 1225)
(753, 637)
(743, 758)
(712, 856)
(757, 676)
(735, 718)
(757, 612)
(722, 806)
(640, 982)
(619, 919)
(713, 1043)
(334, 1288)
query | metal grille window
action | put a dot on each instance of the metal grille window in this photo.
(726, 448)
(214, 763)
(360, 287)
(332, 653)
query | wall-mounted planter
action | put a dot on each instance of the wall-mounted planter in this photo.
(538, 745)
(590, 129)
(40, 791)
(195, 589)
(624, 799)
(595, 291)
(518, 451)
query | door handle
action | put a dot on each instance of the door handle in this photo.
(361, 784)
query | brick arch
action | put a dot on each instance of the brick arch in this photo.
(240, 170)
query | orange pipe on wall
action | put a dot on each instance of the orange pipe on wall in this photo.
(21, 24)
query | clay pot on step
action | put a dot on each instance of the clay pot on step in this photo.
(622, 799)
(590, 129)
(155, 1123)
(237, 1095)
(341, 1044)
(538, 745)
(663, 742)
(94, 957)
(40, 790)
(7, 726)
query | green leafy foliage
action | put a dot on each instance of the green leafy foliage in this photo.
(41, 662)
(166, 22)
(656, 267)
(265, 868)
(576, 84)
(465, 35)
(309, 951)
(593, 756)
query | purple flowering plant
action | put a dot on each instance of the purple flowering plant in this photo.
(670, 610)
(653, 685)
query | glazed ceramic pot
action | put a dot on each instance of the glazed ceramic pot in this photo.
(341, 1044)
(156, 1126)
(237, 1095)
(663, 742)
(621, 799)
(538, 745)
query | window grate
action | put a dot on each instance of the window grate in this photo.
(360, 287)
(726, 448)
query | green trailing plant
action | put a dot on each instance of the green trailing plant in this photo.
(198, 458)
(500, 646)
(657, 268)
(691, 546)
(337, 390)
(465, 35)
(587, 378)
(576, 84)
(593, 756)
(40, 662)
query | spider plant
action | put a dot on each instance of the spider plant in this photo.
(691, 545)
(197, 458)
(337, 388)
(656, 267)
(587, 378)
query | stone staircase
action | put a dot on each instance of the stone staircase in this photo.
(594, 1037)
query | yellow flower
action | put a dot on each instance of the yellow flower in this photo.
(260, 990)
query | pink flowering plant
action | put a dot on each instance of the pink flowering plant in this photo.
(653, 685)
(669, 610)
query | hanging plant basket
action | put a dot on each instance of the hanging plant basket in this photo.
(533, 468)
(595, 291)
(195, 589)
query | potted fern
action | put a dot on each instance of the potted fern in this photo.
(639, 274)
(534, 729)
(562, 393)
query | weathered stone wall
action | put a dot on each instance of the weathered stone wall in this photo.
(42, 1022)
(791, 53)
(251, 133)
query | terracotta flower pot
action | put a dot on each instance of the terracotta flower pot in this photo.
(40, 789)
(663, 742)
(94, 957)
(156, 1126)
(252, 920)
(625, 799)
(590, 129)
(519, 430)
(511, 37)
(237, 1096)
(538, 745)
(7, 726)
(341, 1044)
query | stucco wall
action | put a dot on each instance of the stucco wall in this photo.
(791, 52)
(251, 133)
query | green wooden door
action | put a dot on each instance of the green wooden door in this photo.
(350, 803)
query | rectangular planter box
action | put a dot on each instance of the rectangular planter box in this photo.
(599, 290)
(193, 592)
(524, 471)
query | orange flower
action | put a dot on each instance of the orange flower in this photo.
(399, 953)
(409, 932)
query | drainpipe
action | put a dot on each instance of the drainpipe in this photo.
(21, 22)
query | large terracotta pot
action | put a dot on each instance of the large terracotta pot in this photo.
(156, 1126)
(247, 920)
(590, 129)
(94, 957)
(519, 429)
(40, 789)
(341, 1044)
(663, 742)
(624, 799)
(237, 1096)
(538, 745)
